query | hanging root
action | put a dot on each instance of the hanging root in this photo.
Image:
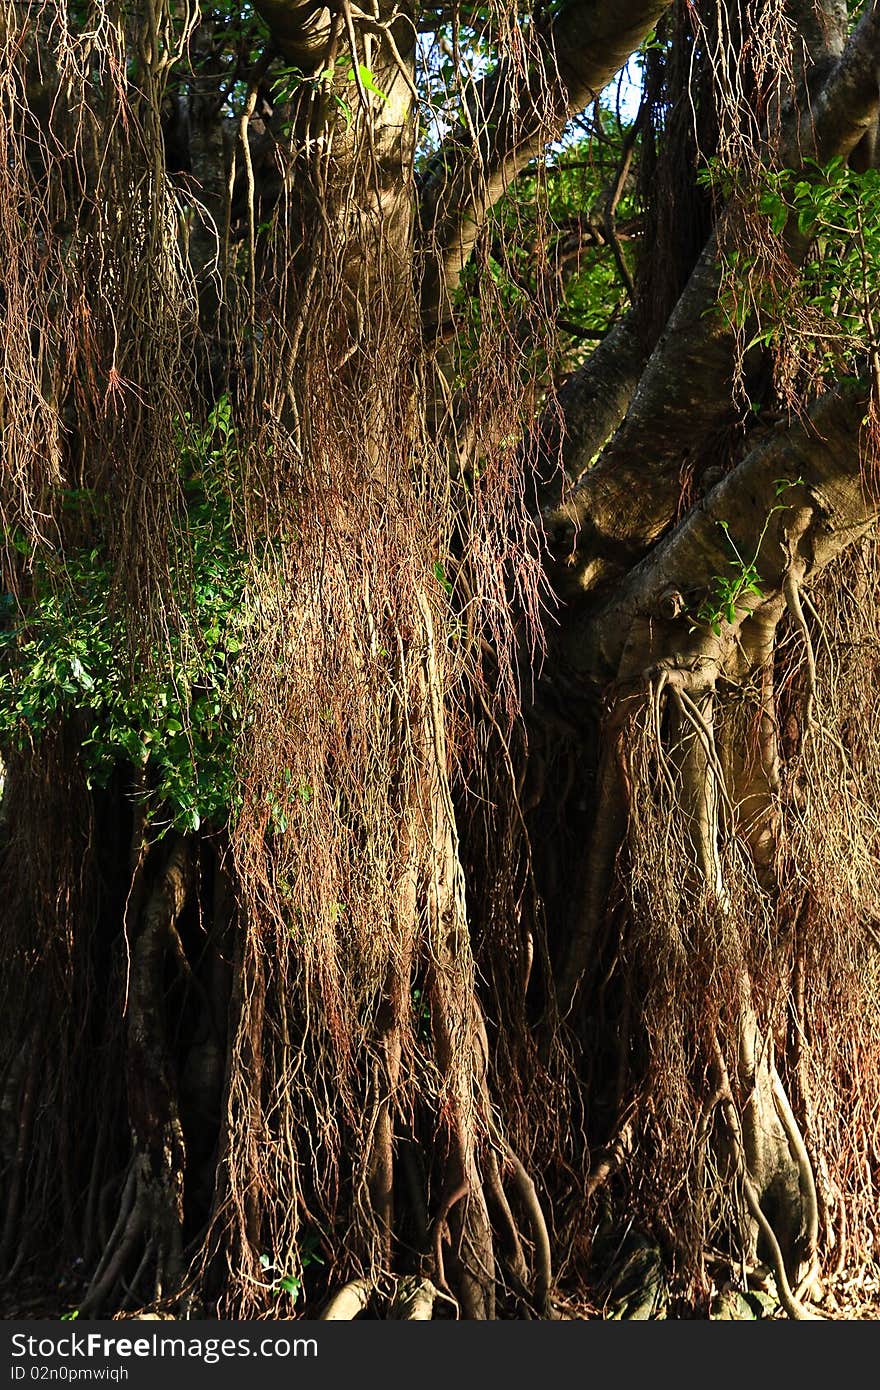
(458, 1193)
(687, 947)
(528, 1196)
(792, 1306)
(151, 1203)
(610, 1159)
(791, 589)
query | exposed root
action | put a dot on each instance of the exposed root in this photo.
(441, 1231)
(414, 1299)
(525, 1190)
(134, 1298)
(349, 1301)
(510, 1236)
(100, 1285)
(152, 1198)
(787, 1298)
(807, 1181)
(119, 1251)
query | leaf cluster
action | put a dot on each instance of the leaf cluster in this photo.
(65, 655)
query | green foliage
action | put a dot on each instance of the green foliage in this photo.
(368, 81)
(543, 269)
(440, 576)
(288, 81)
(830, 305)
(308, 1254)
(64, 656)
(233, 37)
(729, 590)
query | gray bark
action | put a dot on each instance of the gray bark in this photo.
(630, 497)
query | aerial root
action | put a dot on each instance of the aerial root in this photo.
(150, 1202)
(527, 1193)
(694, 716)
(130, 1226)
(349, 1301)
(414, 1299)
(807, 1181)
(841, 1233)
(145, 1215)
(99, 1285)
(826, 1200)
(131, 1288)
(787, 1298)
(511, 1237)
(610, 1160)
(792, 593)
(455, 1195)
(655, 704)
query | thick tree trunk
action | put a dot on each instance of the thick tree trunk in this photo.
(452, 1001)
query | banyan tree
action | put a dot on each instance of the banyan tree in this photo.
(439, 657)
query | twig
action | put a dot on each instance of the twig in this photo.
(614, 195)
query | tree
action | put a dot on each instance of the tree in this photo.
(440, 655)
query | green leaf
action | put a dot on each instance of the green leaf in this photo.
(440, 576)
(81, 674)
(368, 81)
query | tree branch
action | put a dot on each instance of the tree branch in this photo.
(507, 122)
(629, 498)
(587, 410)
(301, 32)
(826, 506)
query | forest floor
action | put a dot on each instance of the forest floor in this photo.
(853, 1295)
